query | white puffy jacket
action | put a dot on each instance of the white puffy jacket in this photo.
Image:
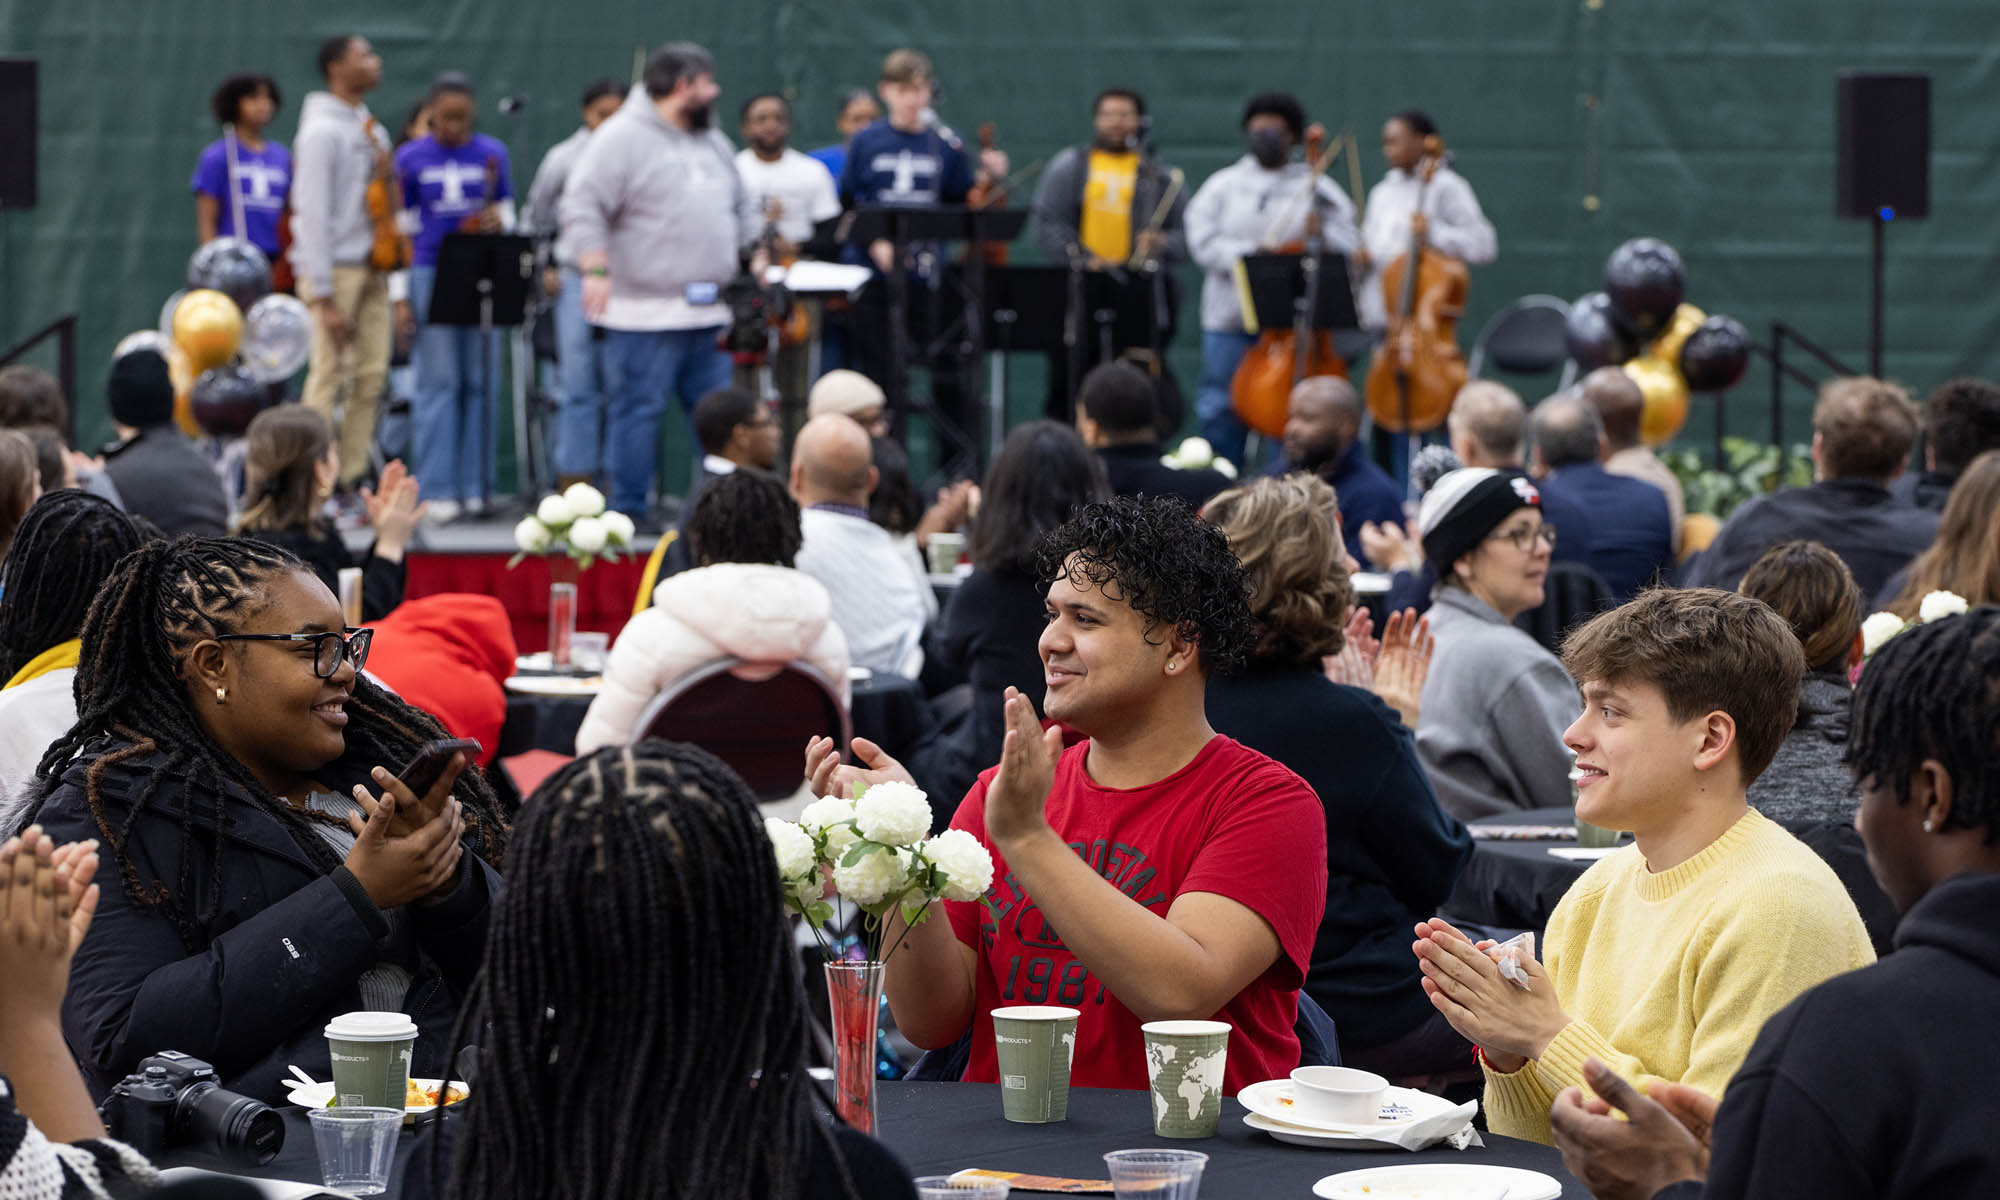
(766, 615)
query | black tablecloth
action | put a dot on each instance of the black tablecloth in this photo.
(1515, 884)
(886, 709)
(938, 1128)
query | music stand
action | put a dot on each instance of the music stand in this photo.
(1272, 290)
(1024, 313)
(904, 227)
(483, 280)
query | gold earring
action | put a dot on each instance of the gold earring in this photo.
(221, 694)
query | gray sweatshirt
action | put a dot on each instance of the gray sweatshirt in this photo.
(1242, 207)
(1492, 713)
(542, 218)
(667, 205)
(333, 157)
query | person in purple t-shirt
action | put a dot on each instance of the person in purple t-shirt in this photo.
(262, 169)
(453, 180)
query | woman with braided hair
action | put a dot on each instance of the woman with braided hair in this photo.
(646, 1033)
(264, 872)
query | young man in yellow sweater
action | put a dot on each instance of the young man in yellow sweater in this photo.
(1668, 956)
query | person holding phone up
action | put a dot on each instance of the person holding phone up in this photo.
(263, 869)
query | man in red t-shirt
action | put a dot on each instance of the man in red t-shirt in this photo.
(1185, 872)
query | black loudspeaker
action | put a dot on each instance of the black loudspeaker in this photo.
(1883, 132)
(17, 133)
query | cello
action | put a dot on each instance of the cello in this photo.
(1419, 369)
(1261, 390)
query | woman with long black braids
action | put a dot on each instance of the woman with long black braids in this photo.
(263, 871)
(646, 1032)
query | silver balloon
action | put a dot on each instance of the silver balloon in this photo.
(277, 338)
(167, 315)
(232, 266)
(143, 339)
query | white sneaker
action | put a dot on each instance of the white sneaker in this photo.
(443, 512)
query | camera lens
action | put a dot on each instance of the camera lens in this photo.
(234, 1126)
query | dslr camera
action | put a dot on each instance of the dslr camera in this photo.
(173, 1100)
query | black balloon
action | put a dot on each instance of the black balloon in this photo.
(1646, 283)
(225, 398)
(1594, 334)
(1715, 356)
(233, 267)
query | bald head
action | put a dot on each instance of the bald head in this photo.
(1567, 432)
(832, 462)
(1323, 421)
(1485, 425)
(1619, 404)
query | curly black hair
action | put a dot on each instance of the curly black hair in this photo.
(1934, 692)
(1170, 566)
(744, 517)
(233, 91)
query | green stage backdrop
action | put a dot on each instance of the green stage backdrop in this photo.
(1580, 123)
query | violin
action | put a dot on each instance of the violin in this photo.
(1419, 369)
(795, 325)
(990, 194)
(1261, 390)
(387, 251)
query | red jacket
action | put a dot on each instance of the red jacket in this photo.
(449, 654)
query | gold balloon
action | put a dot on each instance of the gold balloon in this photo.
(183, 379)
(1698, 530)
(1666, 398)
(208, 328)
(1667, 347)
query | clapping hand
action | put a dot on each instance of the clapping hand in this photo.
(393, 507)
(1403, 662)
(829, 776)
(1390, 547)
(1355, 664)
(1511, 1023)
(1017, 799)
(47, 899)
(1664, 1139)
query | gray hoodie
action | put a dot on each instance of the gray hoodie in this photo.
(333, 157)
(1244, 206)
(666, 204)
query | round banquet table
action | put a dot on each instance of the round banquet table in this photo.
(938, 1128)
(1516, 884)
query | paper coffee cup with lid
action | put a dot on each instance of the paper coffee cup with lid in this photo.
(371, 1057)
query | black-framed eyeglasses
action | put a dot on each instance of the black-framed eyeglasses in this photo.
(329, 648)
(1524, 539)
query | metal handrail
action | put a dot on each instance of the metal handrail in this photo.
(63, 329)
(1781, 371)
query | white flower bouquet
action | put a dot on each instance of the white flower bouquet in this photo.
(1194, 453)
(575, 523)
(1880, 627)
(873, 851)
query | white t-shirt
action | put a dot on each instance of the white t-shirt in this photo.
(800, 186)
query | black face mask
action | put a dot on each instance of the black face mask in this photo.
(1268, 147)
(699, 115)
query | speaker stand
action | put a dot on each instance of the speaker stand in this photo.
(1877, 225)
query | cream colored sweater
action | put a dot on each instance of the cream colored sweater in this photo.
(1671, 975)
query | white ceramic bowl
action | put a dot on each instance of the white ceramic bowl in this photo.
(1340, 1095)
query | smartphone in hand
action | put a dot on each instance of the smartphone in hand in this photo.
(429, 763)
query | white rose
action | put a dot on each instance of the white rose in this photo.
(619, 527)
(1224, 467)
(584, 500)
(1937, 605)
(1877, 629)
(532, 536)
(893, 813)
(1195, 451)
(792, 845)
(879, 876)
(825, 811)
(967, 867)
(554, 512)
(587, 535)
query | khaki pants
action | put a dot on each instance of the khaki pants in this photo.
(356, 374)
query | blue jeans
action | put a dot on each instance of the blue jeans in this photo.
(578, 447)
(644, 369)
(452, 425)
(1216, 420)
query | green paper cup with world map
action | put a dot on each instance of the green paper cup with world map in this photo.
(1184, 1062)
(1035, 1043)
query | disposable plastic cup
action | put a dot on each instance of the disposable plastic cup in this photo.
(949, 1187)
(357, 1147)
(1156, 1174)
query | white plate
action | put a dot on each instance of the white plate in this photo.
(1299, 1135)
(1271, 1100)
(318, 1094)
(555, 685)
(1439, 1181)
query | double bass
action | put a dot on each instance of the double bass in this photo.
(1419, 369)
(1261, 390)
